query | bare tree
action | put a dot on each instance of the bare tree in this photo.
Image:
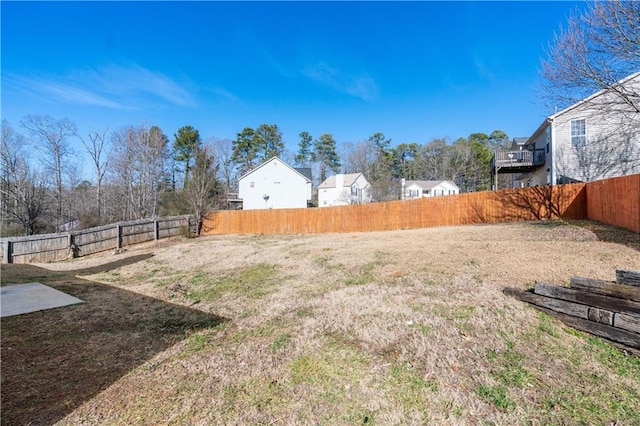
(223, 154)
(154, 157)
(358, 157)
(598, 48)
(434, 160)
(596, 58)
(10, 152)
(29, 195)
(51, 136)
(201, 188)
(96, 146)
(22, 189)
(139, 157)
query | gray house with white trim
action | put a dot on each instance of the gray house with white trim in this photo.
(596, 138)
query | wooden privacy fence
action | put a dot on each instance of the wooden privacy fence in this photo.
(61, 246)
(478, 207)
(614, 201)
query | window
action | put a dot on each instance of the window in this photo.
(253, 184)
(548, 141)
(354, 190)
(425, 192)
(578, 133)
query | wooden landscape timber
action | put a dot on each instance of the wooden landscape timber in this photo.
(628, 277)
(608, 288)
(602, 308)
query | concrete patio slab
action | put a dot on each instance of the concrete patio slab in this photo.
(19, 299)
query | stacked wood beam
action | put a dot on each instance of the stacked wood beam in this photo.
(603, 308)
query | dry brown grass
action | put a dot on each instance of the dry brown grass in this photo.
(405, 327)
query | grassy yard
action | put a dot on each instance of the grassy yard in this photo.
(402, 327)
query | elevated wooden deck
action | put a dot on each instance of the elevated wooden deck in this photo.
(517, 161)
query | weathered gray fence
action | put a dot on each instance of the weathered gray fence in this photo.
(62, 246)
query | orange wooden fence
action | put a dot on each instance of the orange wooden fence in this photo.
(567, 201)
(615, 201)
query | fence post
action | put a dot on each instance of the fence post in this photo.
(119, 238)
(71, 245)
(7, 252)
(156, 230)
(192, 225)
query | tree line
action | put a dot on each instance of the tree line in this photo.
(139, 172)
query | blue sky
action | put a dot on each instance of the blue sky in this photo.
(412, 70)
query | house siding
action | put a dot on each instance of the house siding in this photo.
(539, 176)
(341, 196)
(612, 145)
(285, 187)
(446, 187)
(603, 131)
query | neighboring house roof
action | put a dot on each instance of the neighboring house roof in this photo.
(271, 160)
(519, 141)
(349, 179)
(566, 179)
(305, 171)
(428, 184)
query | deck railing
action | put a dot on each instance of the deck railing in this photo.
(524, 158)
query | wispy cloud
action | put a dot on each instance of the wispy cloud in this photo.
(51, 88)
(483, 69)
(360, 85)
(112, 86)
(222, 92)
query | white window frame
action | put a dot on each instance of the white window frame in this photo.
(578, 133)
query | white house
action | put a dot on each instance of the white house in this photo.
(428, 188)
(275, 185)
(344, 189)
(596, 138)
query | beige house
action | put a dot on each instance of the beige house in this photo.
(596, 138)
(344, 189)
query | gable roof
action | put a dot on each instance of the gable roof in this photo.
(306, 171)
(547, 121)
(428, 184)
(271, 160)
(595, 95)
(349, 179)
(519, 141)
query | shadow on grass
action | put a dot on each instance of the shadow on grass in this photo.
(54, 360)
(610, 233)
